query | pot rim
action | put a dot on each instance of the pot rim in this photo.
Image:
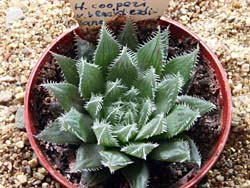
(221, 77)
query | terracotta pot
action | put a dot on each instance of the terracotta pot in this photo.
(177, 30)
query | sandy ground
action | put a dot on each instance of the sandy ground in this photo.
(223, 24)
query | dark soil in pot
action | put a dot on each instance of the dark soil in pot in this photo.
(205, 132)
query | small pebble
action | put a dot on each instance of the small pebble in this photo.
(5, 96)
(33, 162)
(21, 178)
(38, 176)
(20, 144)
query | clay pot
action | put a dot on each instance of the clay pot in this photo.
(61, 45)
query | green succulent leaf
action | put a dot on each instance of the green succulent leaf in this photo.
(165, 42)
(172, 151)
(146, 109)
(195, 156)
(183, 64)
(125, 133)
(139, 150)
(91, 179)
(103, 132)
(137, 175)
(91, 79)
(66, 94)
(123, 68)
(114, 91)
(94, 106)
(68, 67)
(131, 95)
(88, 158)
(54, 134)
(151, 54)
(79, 124)
(146, 83)
(112, 114)
(167, 92)
(114, 160)
(128, 36)
(196, 103)
(180, 119)
(84, 49)
(155, 127)
(107, 49)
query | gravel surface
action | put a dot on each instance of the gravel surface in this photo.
(28, 26)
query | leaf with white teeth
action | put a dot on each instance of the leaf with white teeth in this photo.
(183, 64)
(54, 134)
(172, 151)
(68, 67)
(155, 127)
(165, 42)
(196, 103)
(167, 92)
(123, 68)
(78, 124)
(66, 94)
(195, 156)
(126, 133)
(128, 37)
(107, 49)
(114, 90)
(131, 95)
(180, 119)
(146, 83)
(104, 135)
(137, 175)
(151, 54)
(91, 79)
(114, 160)
(88, 158)
(146, 109)
(94, 106)
(139, 150)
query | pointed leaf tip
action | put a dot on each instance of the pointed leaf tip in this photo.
(128, 37)
(78, 124)
(184, 64)
(54, 134)
(182, 118)
(104, 134)
(201, 105)
(156, 126)
(91, 79)
(123, 68)
(139, 150)
(167, 92)
(114, 160)
(107, 49)
(66, 94)
(151, 54)
(68, 67)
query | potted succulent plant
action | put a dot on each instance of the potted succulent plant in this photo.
(123, 112)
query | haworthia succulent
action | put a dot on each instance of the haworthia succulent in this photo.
(118, 100)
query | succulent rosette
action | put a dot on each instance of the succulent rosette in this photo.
(124, 106)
